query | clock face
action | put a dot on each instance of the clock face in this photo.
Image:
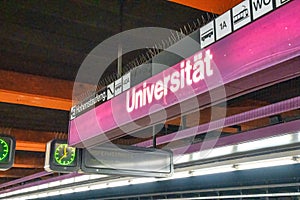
(64, 155)
(4, 150)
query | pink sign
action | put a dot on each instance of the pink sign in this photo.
(262, 44)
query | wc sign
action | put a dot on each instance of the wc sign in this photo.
(261, 7)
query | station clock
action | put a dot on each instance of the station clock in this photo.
(7, 151)
(64, 155)
(60, 157)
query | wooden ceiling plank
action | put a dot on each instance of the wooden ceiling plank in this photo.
(31, 90)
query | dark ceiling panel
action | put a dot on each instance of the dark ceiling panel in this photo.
(166, 14)
(63, 32)
(19, 33)
(21, 63)
(32, 118)
(44, 53)
(77, 11)
(287, 89)
(52, 23)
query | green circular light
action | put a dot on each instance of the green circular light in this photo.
(64, 155)
(4, 150)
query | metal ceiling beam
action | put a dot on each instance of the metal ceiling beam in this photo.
(7, 96)
(30, 146)
(26, 89)
(213, 6)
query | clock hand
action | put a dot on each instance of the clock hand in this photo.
(65, 150)
(65, 155)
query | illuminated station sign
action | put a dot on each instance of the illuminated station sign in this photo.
(253, 36)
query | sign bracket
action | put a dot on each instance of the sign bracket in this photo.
(154, 136)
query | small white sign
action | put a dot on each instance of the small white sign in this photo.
(110, 90)
(261, 7)
(73, 113)
(281, 2)
(223, 25)
(118, 86)
(207, 34)
(241, 15)
(126, 81)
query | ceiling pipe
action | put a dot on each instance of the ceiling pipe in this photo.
(120, 50)
(24, 179)
(37, 175)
